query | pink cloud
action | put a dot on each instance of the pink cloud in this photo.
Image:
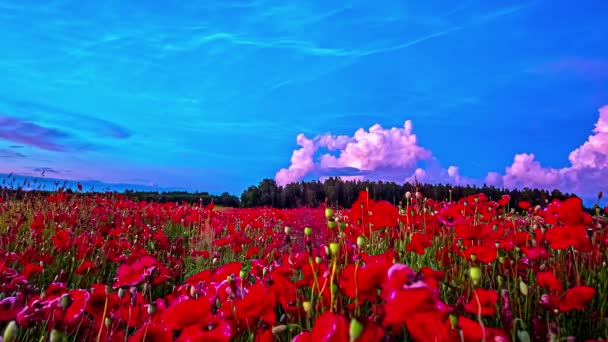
(586, 175)
(392, 152)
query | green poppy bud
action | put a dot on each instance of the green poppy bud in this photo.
(307, 231)
(10, 333)
(334, 248)
(356, 329)
(475, 274)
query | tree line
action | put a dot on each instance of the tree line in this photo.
(333, 191)
(337, 192)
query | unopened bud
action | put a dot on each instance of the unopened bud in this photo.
(108, 322)
(356, 329)
(121, 292)
(287, 229)
(318, 260)
(523, 288)
(329, 213)
(475, 274)
(334, 248)
(331, 224)
(523, 336)
(66, 301)
(307, 231)
(56, 336)
(453, 321)
(408, 195)
(10, 333)
(243, 274)
(361, 240)
(151, 309)
(307, 307)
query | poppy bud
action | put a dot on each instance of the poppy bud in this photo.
(57, 336)
(331, 224)
(279, 329)
(318, 260)
(334, 248)
(66, 301)
(499, 280)
(408, 195)
(356, 329)
(361, 240)
(307, 231)
(243, 274)
(473, 257)
(523, 336)
(307, 307)
(523, 288)
(475, 274)
(454, 321)
(329, 213)
(151, 309)
(287, 229)
(342, 225)
(10, 333)
(121, 292)
(108, 322)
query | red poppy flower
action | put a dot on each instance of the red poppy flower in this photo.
(482, 302)
(576, 298)
(186, 313)
(133, 274)
(419, 243)
(84, 267)
(524, 205)
(549, 281)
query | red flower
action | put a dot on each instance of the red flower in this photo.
(419, 243)
(186, 313)
(576, 298)
(151, 332)
(525, 205)
(328, 327)
(61, 240)
(482, 302)
(549, 281)
(134, 273)
(85, 267)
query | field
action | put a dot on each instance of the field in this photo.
(78, 267)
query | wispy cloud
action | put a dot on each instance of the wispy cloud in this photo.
(19, 131)
(9, 154)
(66, 119)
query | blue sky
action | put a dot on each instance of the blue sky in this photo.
(211, 95)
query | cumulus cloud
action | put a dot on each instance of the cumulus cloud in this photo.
(377, 153)
(394, 154)
(587, 173)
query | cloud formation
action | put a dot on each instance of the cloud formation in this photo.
(394, 155)
(389, 154)
(587, 173)
(23, 132)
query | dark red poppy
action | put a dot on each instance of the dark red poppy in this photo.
(576, 298)
(524, 205)
(549, 281)
(419, 243)
(483, 302)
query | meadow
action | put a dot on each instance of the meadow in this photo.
(102, 267)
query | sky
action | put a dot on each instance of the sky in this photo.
(217, 95)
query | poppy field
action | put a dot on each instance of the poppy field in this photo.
(102, 267)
